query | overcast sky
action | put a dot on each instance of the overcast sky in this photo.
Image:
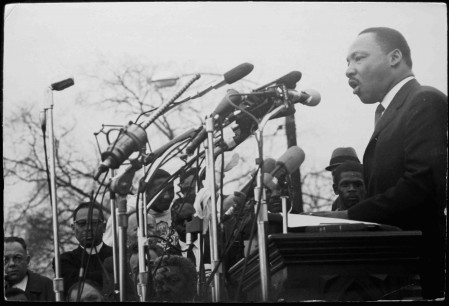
(44, 43)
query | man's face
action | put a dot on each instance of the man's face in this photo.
(94, 232)
(350, 188)
(132, 227)
(170, 284)
(182, 214)
(15, 262)
(369, 69)
(162, 203)
(134, 266)
(187, 187)
(88, 294)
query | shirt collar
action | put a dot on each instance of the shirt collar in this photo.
(390, 95)
(22, 284)
(184, 245)
(94, 250)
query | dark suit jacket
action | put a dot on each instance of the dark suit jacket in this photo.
(405, 167)
(71, 264)
(40, 288)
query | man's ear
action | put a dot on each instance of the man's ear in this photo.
(395, 57)
(103, 224)
(335, 189)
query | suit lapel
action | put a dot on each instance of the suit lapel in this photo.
(395, 105)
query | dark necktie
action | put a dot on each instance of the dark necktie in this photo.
(379, 110)
(191, 255)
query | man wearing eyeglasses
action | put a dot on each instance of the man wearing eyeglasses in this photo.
(88, 226)
(17, 275)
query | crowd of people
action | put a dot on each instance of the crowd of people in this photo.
(401, 181)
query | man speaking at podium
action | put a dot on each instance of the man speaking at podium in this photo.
(406, 158)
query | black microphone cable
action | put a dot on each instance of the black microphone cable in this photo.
(47, 171)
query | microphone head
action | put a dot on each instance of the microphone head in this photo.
(61, 85)
(314, 98)
(225, 108)
(238, 73)
(290, 79)
(268, 165)
(291, 159)
(269, 182)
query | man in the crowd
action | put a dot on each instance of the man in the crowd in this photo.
(349, 184)
(175, 279)
(16, 294)
(405, 162)
(182, 213)
(86, 261)
(90, 292)
(160, 203)
(17, 275)
(340, 155)
(158, 217)
(152, 252)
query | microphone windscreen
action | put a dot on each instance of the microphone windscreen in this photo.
(268, 165)
(268, 181)
(238, 73)
(290, 79)
(58, 86)
(292, 159)
(315, 97)
(225, 108)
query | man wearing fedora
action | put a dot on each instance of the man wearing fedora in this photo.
(339, 156)
(348, 184)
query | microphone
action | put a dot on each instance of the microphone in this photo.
(61, 85)
(132, 138)
(286, 164)
(308, 97)
(239, 197)
(230, 77)
(158, 152)
(122, 183)
(289, 80)
(223, 109)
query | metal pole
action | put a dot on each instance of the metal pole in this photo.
(58, 282)
(122, 219)
(141, 241)
(114, 238)
(262, 224)
(213, 222)
(285, 215)
(262, 217)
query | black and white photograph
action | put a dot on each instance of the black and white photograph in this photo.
(225, 152)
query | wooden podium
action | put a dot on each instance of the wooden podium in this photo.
(326, 264)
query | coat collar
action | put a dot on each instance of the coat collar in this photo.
(395, 105)
(34, 284)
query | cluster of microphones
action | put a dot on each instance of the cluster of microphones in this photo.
(235, 107)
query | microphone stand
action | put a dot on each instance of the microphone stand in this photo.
(285, 215)
(260, 198)
(213, 231)
(122, 227)
(58, 282)
(114, 237)
(142, 241)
